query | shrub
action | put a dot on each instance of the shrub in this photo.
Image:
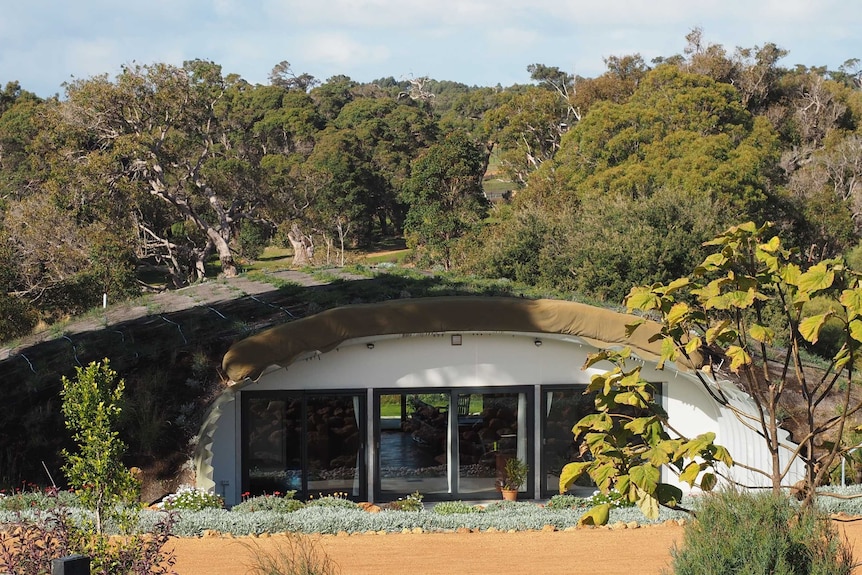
(412, 502)
(454, 507)
(298, 555)
(30, 541)
(568, 501)
(42, 500)
(193, 499)
(338, 500)
(741, 532)
(282, 504)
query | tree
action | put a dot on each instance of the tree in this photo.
(91, 407)
(629, 440)
(747, 303)
(445, 197)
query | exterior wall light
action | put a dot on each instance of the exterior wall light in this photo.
(369, 345)
(456, 339)
(537, 342)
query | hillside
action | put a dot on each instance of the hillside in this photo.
(168, 347)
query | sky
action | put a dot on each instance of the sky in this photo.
(44, 43)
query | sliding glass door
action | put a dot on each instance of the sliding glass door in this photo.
(451, 443)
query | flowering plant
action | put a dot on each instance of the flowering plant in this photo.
(192, 499)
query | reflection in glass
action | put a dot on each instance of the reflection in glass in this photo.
(334, 441)
(273, 445)
(413, 441)
(564, 409)
(491, 430)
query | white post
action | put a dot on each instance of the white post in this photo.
(104, 300)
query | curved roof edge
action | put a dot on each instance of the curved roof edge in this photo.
(281, 345)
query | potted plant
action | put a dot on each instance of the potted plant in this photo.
(515, 474)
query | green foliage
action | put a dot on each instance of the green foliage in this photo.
(454, 507)
(252, 239)
(743, 532)
(337, 501)
(192, 499)
(721, 305)
(28, 543)
(37, 499)
(91, 407)
(445, 197)
(628, 440)
(281, 504)
(514, 473)
(412, 502)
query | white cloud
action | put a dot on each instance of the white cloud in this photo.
(336, 48)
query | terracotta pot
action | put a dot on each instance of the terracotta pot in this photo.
(510, 494)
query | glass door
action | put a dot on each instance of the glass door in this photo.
(413, 432)
(492, 428)
(563, 408)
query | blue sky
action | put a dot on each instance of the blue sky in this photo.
(44, 43)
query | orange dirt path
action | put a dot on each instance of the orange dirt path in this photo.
(640, 551)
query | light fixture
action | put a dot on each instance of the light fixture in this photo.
(369, 345)
(537, 342)
(456, 339)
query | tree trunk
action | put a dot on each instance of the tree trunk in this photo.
(228, 267)
(303, 246)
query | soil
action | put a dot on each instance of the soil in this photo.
(603, 551)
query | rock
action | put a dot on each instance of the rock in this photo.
(548, 528)
(417, 530)
(632, 525)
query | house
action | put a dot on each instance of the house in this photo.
(434, 395)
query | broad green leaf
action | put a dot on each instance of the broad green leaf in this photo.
(842, 358)
(642, 298)
(791, 274)
(810, 327)
(714, 333)
(722, 454)
(676, 313)
(761, 333)
(571, 472)
(852, 302)
(676, 285)
(668, 352)
(693, 345)
(597, 515)
(817, 278)
(772, 245)
(695, 446)
(657, 456)
(738, 357)
(647, 504)
(603, 474)
(645, 476)
(713, 262)
(669, 495)
(856, 329)
(690, 473)
(708, 482)
(740, 299)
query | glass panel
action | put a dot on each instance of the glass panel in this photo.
(334, 442)
(491, 430)
(273, 444)
(564, 409)
(413, 440)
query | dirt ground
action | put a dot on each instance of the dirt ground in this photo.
(639, 551)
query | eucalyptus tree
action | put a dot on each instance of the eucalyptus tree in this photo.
(161, 142)
(445, 197)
